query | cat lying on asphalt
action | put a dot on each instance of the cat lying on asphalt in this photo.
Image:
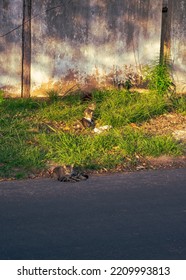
(67, 173)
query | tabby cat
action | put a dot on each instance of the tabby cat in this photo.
(87, 120)
(67, 173)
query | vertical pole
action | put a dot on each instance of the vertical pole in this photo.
(26, 50)
(165, 48)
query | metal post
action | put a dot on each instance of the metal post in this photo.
(26, 50)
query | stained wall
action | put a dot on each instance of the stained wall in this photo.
(10, 45)
(89, 43)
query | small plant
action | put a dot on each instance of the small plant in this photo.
(128, 84)
(53, 95)
(159, 78)
(127, 78)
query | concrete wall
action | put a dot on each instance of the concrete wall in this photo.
(89, 42)
(92, 41)
(10, 45)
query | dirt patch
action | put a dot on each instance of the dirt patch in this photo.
(173, 124)
(167, 162)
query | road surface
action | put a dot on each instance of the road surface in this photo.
(140, 215)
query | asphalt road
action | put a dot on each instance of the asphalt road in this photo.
(139, 215)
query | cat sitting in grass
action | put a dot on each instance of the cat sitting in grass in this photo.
(87, 120)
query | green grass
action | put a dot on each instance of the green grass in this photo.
(105, 150)
(121, 108)
(27, 141)
(179, 104)
(159, 77)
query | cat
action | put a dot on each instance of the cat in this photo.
(87, 120)
(67, 173)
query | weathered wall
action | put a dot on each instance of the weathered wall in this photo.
(89, 42)
(10, 45)
(94, 41)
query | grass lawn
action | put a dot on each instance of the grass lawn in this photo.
(36, 133)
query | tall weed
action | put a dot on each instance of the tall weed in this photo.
(159, 78)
